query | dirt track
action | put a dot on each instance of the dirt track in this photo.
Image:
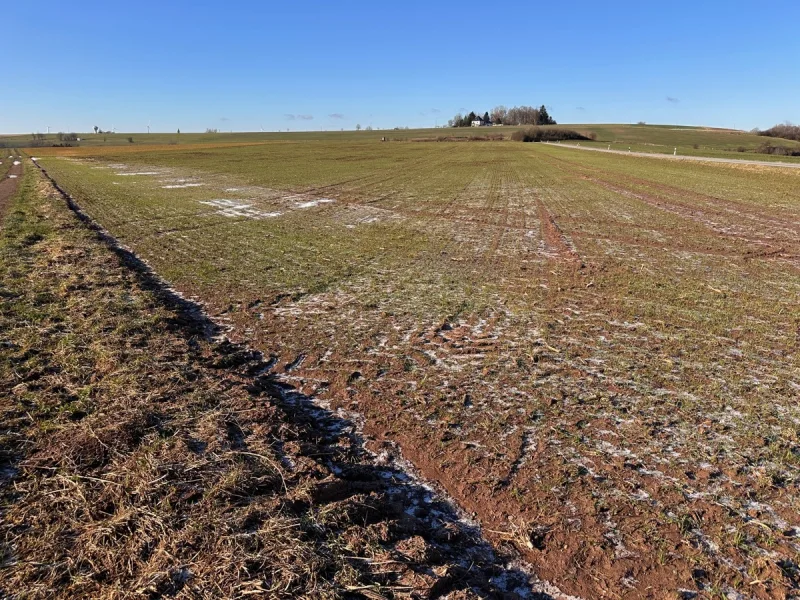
(733, 161)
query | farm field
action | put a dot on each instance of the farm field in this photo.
(141, 455)
(595, 355)
(663, 139)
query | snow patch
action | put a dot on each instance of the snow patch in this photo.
(312, 203)
(238, 208)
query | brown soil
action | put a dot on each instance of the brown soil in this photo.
(553, 236)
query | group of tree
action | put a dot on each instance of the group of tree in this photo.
(466, 120)
(98, 130)
(786, 131)
(500, 115)
(67, 137)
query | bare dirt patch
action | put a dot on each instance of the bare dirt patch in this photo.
(554, 237)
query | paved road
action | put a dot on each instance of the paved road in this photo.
(735, 161)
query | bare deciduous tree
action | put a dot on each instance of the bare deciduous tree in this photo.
(499, 114)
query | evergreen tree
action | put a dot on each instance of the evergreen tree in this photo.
(544, 117)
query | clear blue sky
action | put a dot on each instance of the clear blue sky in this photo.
(326, 65)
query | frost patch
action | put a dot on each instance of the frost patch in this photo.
(16, 162)
(181, 186)
(312, 203)
(140, 173)
(237, 208)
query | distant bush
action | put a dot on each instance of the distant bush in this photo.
(130, 140)
(210, 130)
(768, 148)
(540, 134)
(786, 131)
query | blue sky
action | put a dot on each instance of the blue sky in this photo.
(328, 65)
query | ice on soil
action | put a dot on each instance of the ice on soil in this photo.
(16, 162)
(181, 186)
(139, 173)
(12, 176)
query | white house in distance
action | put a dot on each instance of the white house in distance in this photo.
(479, 122)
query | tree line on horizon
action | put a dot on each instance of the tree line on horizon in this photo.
(787, 131)
(500, 115)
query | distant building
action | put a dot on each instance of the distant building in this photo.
(479, 122)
